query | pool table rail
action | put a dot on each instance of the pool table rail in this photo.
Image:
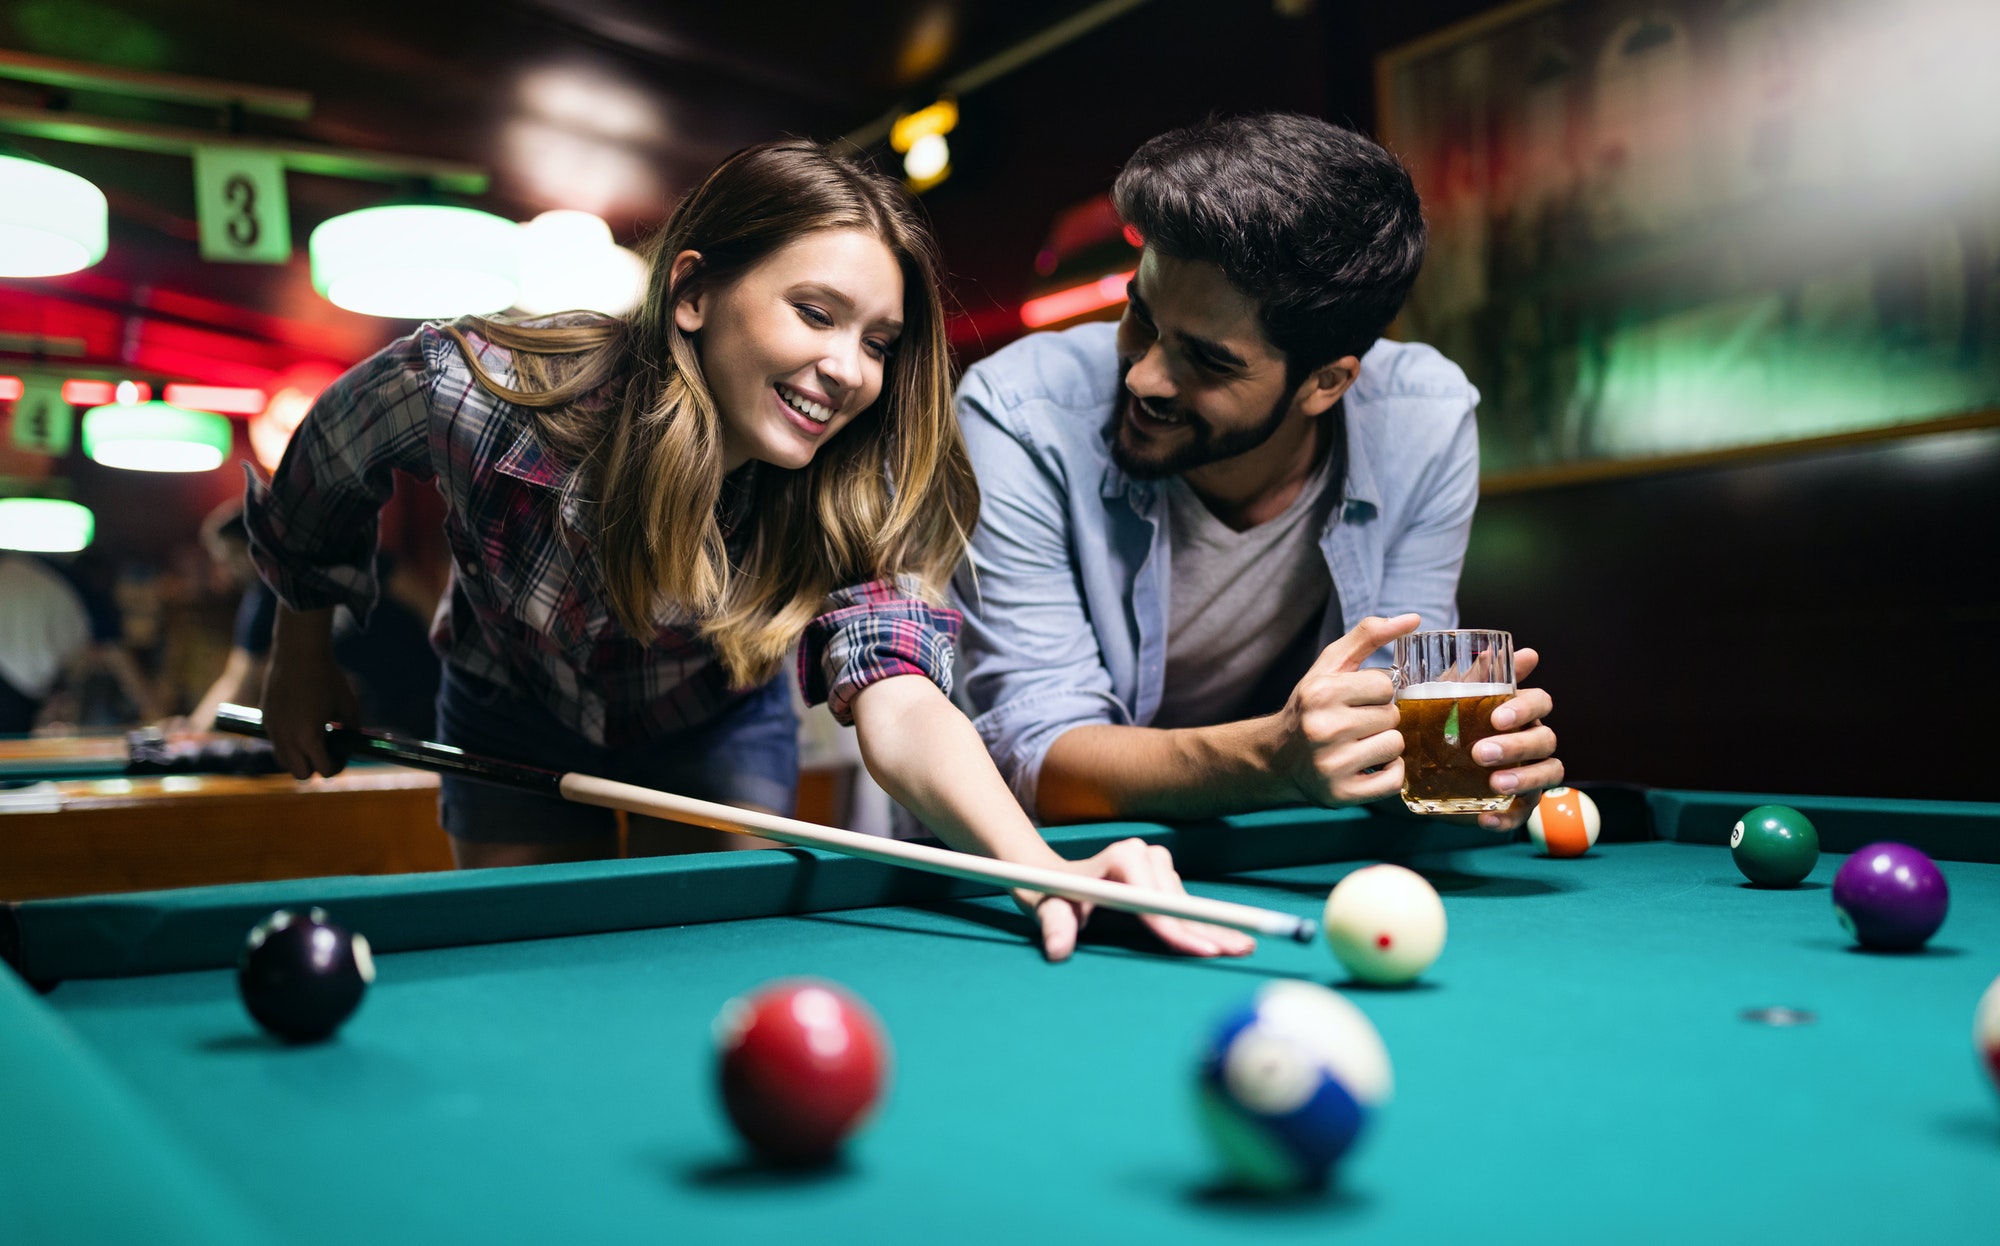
(203, 927)
(1947, 830)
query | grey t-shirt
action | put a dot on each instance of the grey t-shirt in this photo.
(1244, 620)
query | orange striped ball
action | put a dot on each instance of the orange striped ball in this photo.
(1565, 822)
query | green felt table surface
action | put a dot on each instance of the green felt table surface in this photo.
(1576, 1067)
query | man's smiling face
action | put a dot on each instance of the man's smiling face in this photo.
(1200, 381)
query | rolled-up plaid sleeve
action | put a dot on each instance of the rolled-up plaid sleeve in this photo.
(313, 527)
(868, 633)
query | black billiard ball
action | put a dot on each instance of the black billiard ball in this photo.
(301, 975)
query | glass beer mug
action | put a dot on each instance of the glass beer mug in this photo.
(1447, 686)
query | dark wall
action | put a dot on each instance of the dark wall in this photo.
(1827, 623)
(1056, 131)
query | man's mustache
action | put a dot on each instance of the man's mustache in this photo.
(1158, 408)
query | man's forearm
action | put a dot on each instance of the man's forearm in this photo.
(1100, 771)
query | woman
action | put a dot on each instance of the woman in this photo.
(647, 513)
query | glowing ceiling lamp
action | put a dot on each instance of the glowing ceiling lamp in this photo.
(414, 261)
(920, 137)
(45, 525)
(154, 436)
(51, 220)
(569, 262)
(926, 161)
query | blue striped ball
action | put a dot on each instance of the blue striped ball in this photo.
(1288, 1083)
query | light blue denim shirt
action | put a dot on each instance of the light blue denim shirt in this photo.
(1067, 587)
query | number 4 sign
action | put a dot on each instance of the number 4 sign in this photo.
(239, 199)
(42, 420)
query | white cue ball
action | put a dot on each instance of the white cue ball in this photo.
(1385, 924)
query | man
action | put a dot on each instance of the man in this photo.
(52, 626)
(1192, 527)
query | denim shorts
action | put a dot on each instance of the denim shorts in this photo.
(747, 755)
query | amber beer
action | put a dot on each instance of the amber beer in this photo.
(1447, 686)
(1440, 725)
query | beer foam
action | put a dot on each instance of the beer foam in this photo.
(1441, 691)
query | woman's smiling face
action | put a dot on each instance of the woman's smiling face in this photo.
(797, 345)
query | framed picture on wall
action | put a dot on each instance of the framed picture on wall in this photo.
(1672, 227)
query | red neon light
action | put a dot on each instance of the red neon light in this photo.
(227, 399)
(88, 393)
(79, 393)
(1106, 291)
(10, 388)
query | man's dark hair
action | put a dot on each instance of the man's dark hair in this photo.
(1319, 225)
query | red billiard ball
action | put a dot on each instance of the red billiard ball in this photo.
(803, 1062)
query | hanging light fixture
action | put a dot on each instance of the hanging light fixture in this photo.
(569, 262)
(45, 525)
(414, 261)
(154, 436)
(920, 136)
(51, 220)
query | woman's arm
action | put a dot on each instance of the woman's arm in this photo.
(313, 534)
(303, 691)
(927, 756)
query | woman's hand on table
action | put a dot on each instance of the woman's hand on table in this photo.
(1141, 864)
(927, 756)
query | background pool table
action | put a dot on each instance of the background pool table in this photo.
(76, 818)
(534, 1062)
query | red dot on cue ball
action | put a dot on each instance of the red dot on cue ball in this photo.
(803, 1062)
(1382, 940)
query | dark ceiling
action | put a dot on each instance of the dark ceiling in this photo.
(616, 106)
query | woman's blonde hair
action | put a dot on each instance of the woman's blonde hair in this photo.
(890, 495)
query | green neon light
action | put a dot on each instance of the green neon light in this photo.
(51, 220)
(156, 437)
(45, 525)
(414, 261)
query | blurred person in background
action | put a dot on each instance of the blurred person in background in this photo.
(56, 633)
(390, 662)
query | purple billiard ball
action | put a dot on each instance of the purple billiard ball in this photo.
(1890, 897)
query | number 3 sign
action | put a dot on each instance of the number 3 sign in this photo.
(240, 200)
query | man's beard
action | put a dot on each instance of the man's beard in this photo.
(1203, 446)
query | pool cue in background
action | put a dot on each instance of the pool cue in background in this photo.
(588, 790)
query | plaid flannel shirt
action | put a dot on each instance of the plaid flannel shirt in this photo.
(527, 605)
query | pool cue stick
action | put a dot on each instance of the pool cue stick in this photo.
(609, 794)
